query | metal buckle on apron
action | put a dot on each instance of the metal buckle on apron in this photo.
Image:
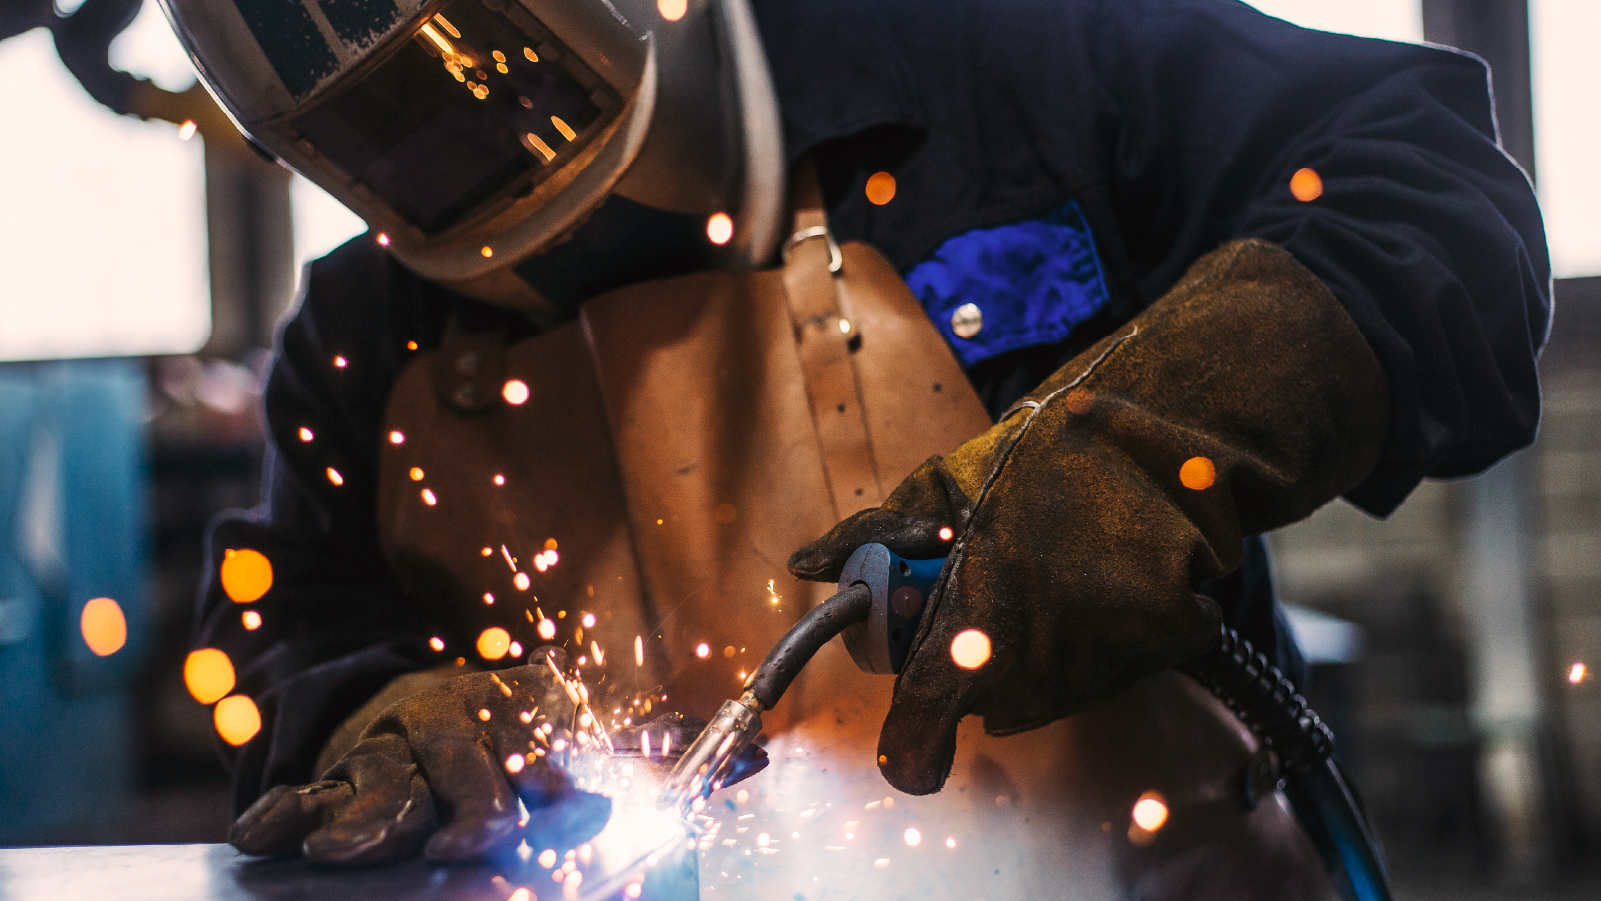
(836, 260)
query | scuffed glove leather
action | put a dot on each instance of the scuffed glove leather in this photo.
(1077, 543)
(431, 773)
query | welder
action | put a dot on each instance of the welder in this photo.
(1084, 295)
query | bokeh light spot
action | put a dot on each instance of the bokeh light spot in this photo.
(720, 228)
(335, 477)
(103, 626)
(1306, 185)
(672, 10)
(1197, 473)
(703, 650)
(208, 674)
(970, 649)
(251, 620)
(547, 629)
(246, 575)
(1150, 812)
(237, 719)
(515, 391)
(493, 643)
(880, 188)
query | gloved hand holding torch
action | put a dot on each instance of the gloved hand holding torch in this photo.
(1082, 522)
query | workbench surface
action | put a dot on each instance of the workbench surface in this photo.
(219, 873)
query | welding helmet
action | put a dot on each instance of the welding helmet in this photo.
(473, 134)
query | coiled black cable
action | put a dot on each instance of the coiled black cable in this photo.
(1259, 694)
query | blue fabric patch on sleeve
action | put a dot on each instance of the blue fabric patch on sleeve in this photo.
(1033, 282)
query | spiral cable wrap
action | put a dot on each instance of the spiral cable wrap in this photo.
(1259, 694)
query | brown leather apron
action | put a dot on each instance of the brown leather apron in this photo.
(676, 443)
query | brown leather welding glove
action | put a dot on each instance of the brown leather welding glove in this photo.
(1083, 521)
(441, 771)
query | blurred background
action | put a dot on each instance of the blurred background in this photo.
(147, 255)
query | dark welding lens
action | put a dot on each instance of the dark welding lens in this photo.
(479, 105)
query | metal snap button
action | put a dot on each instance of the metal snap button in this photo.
(967, 321)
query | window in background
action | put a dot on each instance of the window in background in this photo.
(1567, 130)
(321, 222)
(1394, 20)
(102, 232)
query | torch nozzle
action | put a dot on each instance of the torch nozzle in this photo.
(707, 761)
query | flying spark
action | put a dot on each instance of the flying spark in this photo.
(1150, 812)
(970, 649)
(1576, 673)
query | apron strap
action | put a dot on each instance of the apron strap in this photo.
(826, 338)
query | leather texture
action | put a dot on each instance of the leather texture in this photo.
(431, 774)
(678, 442)
(1239, 402)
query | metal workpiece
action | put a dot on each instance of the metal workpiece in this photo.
(221, 873)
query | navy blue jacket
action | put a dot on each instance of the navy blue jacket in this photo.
(1168, 126)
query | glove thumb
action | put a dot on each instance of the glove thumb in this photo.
(910, 523)
(918, 742)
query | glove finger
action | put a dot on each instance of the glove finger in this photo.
(469, 782)
(909, 523)
(918, 742)
(282, 818)
(389, 815)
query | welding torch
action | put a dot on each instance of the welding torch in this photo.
(878, 609)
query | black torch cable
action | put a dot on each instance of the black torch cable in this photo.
(1268, 704)
(785, 661)
(1260, 695)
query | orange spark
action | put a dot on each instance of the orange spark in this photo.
(880, 188)
(237, 719)
(1306, 185)
(246, 575)
(335, 477)
(251, 620)
(720, 228)
(103, 626)
(493, 643)
(1197, 474)
(1150, 812)
(515, 391)
(970, 649)
(208, 674)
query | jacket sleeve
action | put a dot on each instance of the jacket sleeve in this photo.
(334, 627)
(1425, 230)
